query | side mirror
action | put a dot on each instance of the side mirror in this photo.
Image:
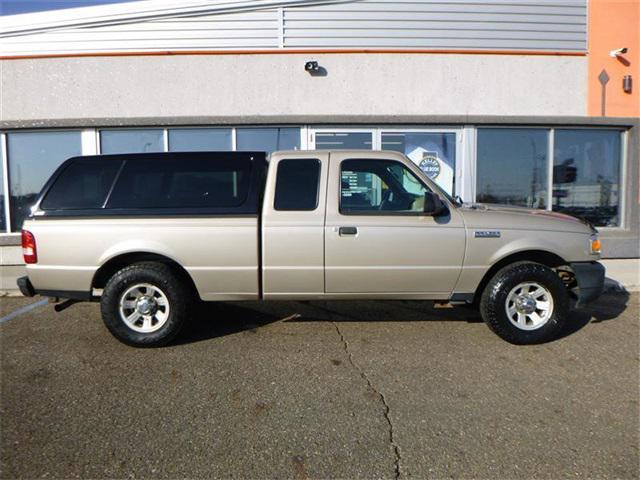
(433, 205)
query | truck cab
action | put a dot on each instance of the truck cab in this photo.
(361, 218)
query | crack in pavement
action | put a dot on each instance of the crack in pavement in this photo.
(383, 400)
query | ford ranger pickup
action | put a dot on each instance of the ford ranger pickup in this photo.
(148, 234)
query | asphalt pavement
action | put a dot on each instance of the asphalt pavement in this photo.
(319, 390)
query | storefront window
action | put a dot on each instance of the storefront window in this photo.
(131, 141)
(33, 157)
(200, 139)
(336, 140)
(586, 175)
(267, 139)
(434, 153)
(512, 166)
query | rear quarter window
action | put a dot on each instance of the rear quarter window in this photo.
(84, 184)
(297, 182)
(182, 183)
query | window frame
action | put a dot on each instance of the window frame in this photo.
(380, 213)
(5, 184)
(318, 164)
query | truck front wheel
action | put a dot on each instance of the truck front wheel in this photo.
(145, 304)
(525, 303)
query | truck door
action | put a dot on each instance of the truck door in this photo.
(378, 239)
(293, 226)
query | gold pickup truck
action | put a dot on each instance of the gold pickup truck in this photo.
(146, 235)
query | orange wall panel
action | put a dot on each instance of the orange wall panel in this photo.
(614, 24)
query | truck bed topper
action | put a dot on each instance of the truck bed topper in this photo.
(190, 183)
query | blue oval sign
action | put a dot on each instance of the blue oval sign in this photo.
(430, 166)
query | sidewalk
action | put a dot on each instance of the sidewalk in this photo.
(623, 273)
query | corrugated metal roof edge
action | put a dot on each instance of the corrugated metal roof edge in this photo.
(289, 51)
(27, 23)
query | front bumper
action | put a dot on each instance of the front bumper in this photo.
(24, 284)
(590, 279)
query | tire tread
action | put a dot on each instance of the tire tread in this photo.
(179, 295)
(492, 306)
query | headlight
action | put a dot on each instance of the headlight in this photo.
(594, 244)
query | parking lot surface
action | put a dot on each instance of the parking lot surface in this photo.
(320, 390)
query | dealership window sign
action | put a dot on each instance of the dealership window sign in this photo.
(430, 165)
(435, 167)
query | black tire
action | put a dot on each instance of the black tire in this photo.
(493, 303)
(177, 295)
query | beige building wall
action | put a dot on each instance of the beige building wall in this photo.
(170, 86)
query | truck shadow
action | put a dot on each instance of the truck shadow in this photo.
(608, 307)
(213, 320)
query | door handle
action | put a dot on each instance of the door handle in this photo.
(342, 231)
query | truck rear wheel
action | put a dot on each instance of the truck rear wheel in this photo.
(145, 304)
(525, 303)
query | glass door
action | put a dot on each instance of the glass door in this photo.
(437, 152)
(338, 139)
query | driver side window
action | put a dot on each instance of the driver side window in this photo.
(379, 187)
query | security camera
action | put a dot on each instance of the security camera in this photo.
(311, 67)
(618, 52)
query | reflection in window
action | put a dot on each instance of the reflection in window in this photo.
(131, 141)
(33, 157)
(586, 174)
(434, 153)
(3, 221)
(200, 139)
(182, 183)
(267, 139)
(84, 184)
(512, 166)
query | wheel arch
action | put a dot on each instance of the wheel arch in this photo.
(118, 262)
(544, 257)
